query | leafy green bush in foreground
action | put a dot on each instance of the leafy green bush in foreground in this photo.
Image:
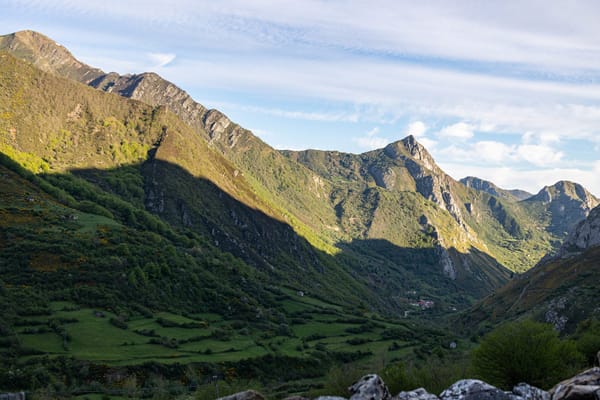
(525, 352)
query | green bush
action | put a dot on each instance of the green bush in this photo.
(524, 352)
(587, 338)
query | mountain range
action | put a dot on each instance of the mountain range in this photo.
(140, 197)
(396, 195)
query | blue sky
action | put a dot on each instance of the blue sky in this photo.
(506, 90)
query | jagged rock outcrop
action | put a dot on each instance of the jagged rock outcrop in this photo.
(585, 385)
(568, 203)
(369, 387)
(431, 182)
(584, 236)
(246, 395)
(417, 394)
(330, 398)
(473, 389)
(47, 55)
(528, 392)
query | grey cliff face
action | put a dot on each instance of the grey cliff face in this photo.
(584, 236)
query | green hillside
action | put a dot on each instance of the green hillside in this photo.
(142, 232)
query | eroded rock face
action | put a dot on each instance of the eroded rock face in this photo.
(330, 398)
(369, 387)
(586, 235)
(474, 389)
(583, 386)
(246, 395)
(528, 392)
(417, 394)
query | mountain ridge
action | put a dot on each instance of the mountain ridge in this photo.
(337, 208)
(491, 188)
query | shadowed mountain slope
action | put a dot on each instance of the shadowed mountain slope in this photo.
(562, 289)
(397, 194)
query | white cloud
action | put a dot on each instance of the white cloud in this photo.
(373, 132)
(493, 151)
(460, 130)
(532, 180)
(545, 138)
(497, 153)
(429, 144)
(161, 59)
(340, 116)
(530, 35)
(539, 155)
(416, 128)
(371, 141)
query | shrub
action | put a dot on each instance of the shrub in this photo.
(587, 338)
(524, 352)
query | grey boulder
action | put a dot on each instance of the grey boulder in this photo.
(417, 394)
(369, 387)
(583, 386)
(474, 389)
(245, 395)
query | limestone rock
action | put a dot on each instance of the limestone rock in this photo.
(330, 398)
(417, 394)
(585, 385)
(528, 392)
(369, 387)
(474, 389)
(245, 395)
(586, 235)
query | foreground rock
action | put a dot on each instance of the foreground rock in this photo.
(417, 394)
(473, 389)
(528, 392)
(246, 395)
(369, 387)
(584, 386)
(330, 398)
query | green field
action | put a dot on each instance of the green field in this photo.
(167, 338)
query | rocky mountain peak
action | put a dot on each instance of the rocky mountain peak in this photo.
(566, 190)
(411, 147)
(47, 55)
(568, 203)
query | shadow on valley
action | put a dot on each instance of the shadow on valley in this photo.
(147, 265)
(372, 274)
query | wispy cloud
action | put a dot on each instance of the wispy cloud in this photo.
(498, 153)
(371, 141)
(460, 130)
(505, 83)
(416, 128)
(161, 59)
(530, 179)
(340, 116)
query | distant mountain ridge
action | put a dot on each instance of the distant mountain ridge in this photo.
(562, 289)
(491, 188)
(567, 202)
(586, 235)
(396, 197)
